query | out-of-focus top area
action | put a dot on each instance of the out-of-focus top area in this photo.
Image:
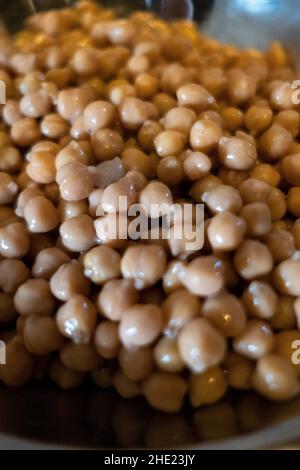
(246, 23)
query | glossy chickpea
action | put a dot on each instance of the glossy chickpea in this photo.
(257, 217)
(34, 297)
(164, 102)
(102, 264)
(135, 159)
(134, 112)
(290, 167)
(226, 231)
(260, 300)
(258, 119)
(255, 341)
(170, 171)
(153, 195)
(74, 152)
(226, 313)
(70, 209)
(99, 115)
(106, 339)
(208, 387)
(233, 119)
(275, 143)
(14, 240)
(254, 190)
(205, 135)
(115, 297)
(13, 273)
(286, 276)
(53, 126)
(239, 371)
(11, 112)
(68, 281)
(223, 198)
(236, 153)
(41, 335)
(196, 165)
(35, 105)
(136, 364)
(281, 244)
(179, 119)
(266, 173)
(165, 392)
(146, 85)
(107, 144)
(72, 102)
(47, 262)
(173, 77)
(203, 276)
(140, 325)
(40, 215)
(8, 189)
(78, 234)
(253, 260)
(75, 181)
(241, 87)
(194, 96)
(25, 132)
(80, 357)
(166, 355)
(41, 167)
(179, 308)
(10, 160)
(284, 318)
(290, 120)
(169, 142)
(147, 133)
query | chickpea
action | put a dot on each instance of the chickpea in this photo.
(146, 85)
(8, 189)
(225, 312)
(34, 297)
(170, 171)
(291, 169)
(281, 244)
(237, 153)
(115, 297)
(19, 367)
(53, 126)
(14, 240)
(241, 87)
(134, 159)
(76, 319)
(125, 387)
(173, 77)
(266, 173)
(67, 379)
(74, 152)
(194, 96)
(41, 167)
(102, 264)
(25, 132)
(169, 142)
(223, 198)
(107, 144)
(13, 273)
(47, 262)
(40, 215)
(136, 364)
(134, 112)
(179, 119)
(35, 105)
(77, 131)
(155, 197)
(165, 392)
(164, 102)
(255, 341)
(85, 62)
(70, 209)
(254, 190)
(179, 308)
(275, 143)
(208, 387)
(10, 160)
(260, 300)
(239, 371)
(275, 378)
(281, 98)
(78, 234)
(205, 135)
(196, 165)
(111, 229)
(226, 231)
(257, 217)
(203, 276)
(147, 133)
(293, 200)
(99, 115)
(144, 264)
(11, 112)
(201, 346)
(171, 281)
(166, 355)
(41, 335)
(140, 325)
(233, 119)
(75, 181)
(80, 357)
(290, 120)
(72, 102)
(68, 281)
(253, 260)
(286, 275)
(284, 318)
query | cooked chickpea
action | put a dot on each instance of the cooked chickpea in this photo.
(169, 171)
(241, 87)
(140, 325)
(293, 201)
(34, 297)
(223, 198)
(24, 197)
(208, 387)
(266, 173)
(236, 153)
(19, 367)
(196, 165)
(225, 312)
(53, 126)
(14, 240)
(257, 217)
(115, 297)
(13, 273)
(255, 341)
(78, 234)
(8, 189)
(284, 318)
(165, 392)
(275, 143)
(72, 102)
(11, 112)
(179, 119)
(47, 262)
(205, 135)
(170, 142)
(290, 167)
(40, 215)
(153, 195)
(281, 244)
(70, 209)
(75, 181)
(254, 190)
(144, 264)
(136, 364)
(25, 132)
(194, 96)
(35, 105)
(41, 335)
(102, 264)
(260, 300)
(134, 112)
(253, 260)
(286, 276)
(99, 115)
(41, 167)
(239, 371)
(233, 119)
(226, 231)
(10, 160)
(68, 281)
(203, 276)
(135, 159)
(106, 339)
(125, 387)
(80, 357)
(179, 308)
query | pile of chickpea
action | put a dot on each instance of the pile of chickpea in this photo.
(98, 108)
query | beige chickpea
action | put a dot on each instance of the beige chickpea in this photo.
(257, 217)
(72, 102)
(19, 367)
(68, 281)
(253, 260)
(66, 379)
(35, 105)
(281, 97)
(144, 264)
(164, 102)
(115, 297)
(285, 317)
(99, 115)
(118, 91)
(140, 325)
(291, 168)
(196, 165)
(170, 171)
(258, 119)
(205, 135)
(226, 231)
(225, 312)
(41, 167)
(169, 142)
(136, 364)
(286, 276)
(107, 144)
(70, 209)
(80, 357)
(260, 300)
(173, 77)
(77, 131)
(41, 335)
(241, 87)
(76, 319)
(8, 189)
(106, 339)
(147, 133)
(74, 152)
(75, 181)
(86, 62)
(102, 264)
(275, 143)
(194, 96)
(34, 297)
(255, 341)
(13, 273)
(53, 126)
(239, 371)
(179, 308)
(171, 281)
(146, 85)
(223, 198)
(40, 215)
(201, 346)
(236, 153)
(167, 356)
(10, 160)
(281, 244)
(47, 262)
(134, 112)
(203, 276)
(137, 65)
(156, 197)
(11, 112)
(111, 230)
(25, 132)
(179, 119)
(78, 234)
(254, 190)
(135, 159)
(208, 387)
(14, 240)
(275, 378)
(165, 392)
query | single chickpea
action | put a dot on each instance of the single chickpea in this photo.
(135, 159)
(75, 181)
(226, 231)
(106, 339)
(194, 96)
(107, 144)
(258, 119)
(86, 62)
(70, 209)
(11, 112)
(253, 260)
(8, 189)
(260, 300)
(286, 276)
(166, 355)
(10, 160)
(254, 190)
(281, 98)
(99, 115)
(236, 153)
(35, 105)
(275, 379)
(66, 379)
(255, 341)
(111, 230)
(53, 126)
(203, 276)
(226, 313)
(223, 198)
(257, 217)
(69, 280)
(78, 234)
(241, 87)
(77, 131)
(115, 297)
(214, 80)
(290, 120)
(208, 387)
(41, 335)
(239, 371)
(40, 215)
(136, 364)
(290, 167)
(144, 264)
(275, 143)
(14, 240)
(170, 171)
(169, 142)
(146, 85)
(114, 193)
(13, 273)
(134, 112)
(196, 165)
(147, 133)
(25, 132)
(179, 308)
(205, 135)
(80, 357)
(137, 65)
(233, 119)
(140, 325)
(156, 197)
(165, 392)
(102, 264)
(284, 318)
(201, 346)
(41, 167)
(72, 102)
(164, 102)
(34, 297)
(173, 77)
(47, 262)
(74, 152)
(266, 173)
(281, 244)
(76, 319)
(19, 367)
(179, 119)
(171, 281)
